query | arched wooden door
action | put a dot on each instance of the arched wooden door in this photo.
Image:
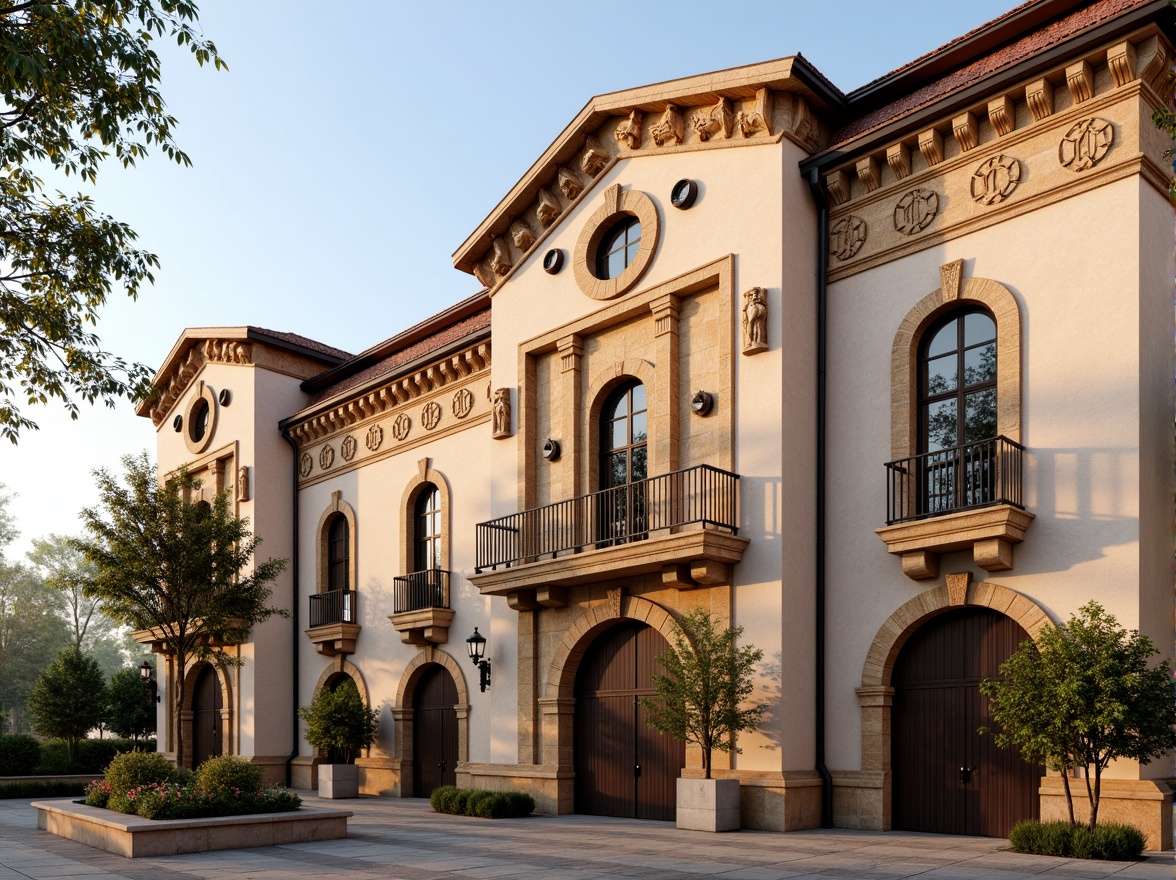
(207, 703)
(623, 766)
(434, 732)
(948, 778)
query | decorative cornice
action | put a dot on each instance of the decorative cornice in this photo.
(217, 351)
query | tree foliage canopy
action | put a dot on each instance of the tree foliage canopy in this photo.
(707, 680)
(338, 720)
(1083, 696)
(79, 83)
(132, 713)
(69, 699)
(166, 561)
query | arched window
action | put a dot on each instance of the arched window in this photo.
(338, 554)
(957, 381)
(624, 464)
(427, 529)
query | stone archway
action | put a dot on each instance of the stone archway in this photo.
(187, 715)
(876, 695)
(402, 714)
(340, 667)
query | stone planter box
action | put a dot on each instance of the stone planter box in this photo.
(708, 804)
(338, 781)
(134, 837)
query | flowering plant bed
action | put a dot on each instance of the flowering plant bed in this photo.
(180, 800)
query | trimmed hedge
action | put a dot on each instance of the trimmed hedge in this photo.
(1111, 841)
(230, 773)
(19, 754)
(93, 755)
(54, 788)
(484, 804)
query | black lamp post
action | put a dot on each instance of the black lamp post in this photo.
(476, 645)
(149, 684)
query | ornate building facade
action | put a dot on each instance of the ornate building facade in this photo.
(884, 378)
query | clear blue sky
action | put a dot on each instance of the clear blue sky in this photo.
(352, 146)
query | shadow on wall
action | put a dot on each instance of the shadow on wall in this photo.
(770, 693)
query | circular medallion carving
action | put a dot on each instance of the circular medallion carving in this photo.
(347, 447)
(431, 415)
(995, 180)
(305, 464)
(326, 457)
(847, 237)
(401, 425)
(375, 436)
(915, 211)
(463, 403)
(1085, 144)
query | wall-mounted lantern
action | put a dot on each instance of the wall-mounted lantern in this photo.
(147, 680)
(476, 645)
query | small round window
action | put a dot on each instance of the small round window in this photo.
(199, 421)
(618, 248)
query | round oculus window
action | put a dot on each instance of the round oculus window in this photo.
(199, 422)
(618, 248)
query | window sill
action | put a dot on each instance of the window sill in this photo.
(334, 638)
(989, 533)
(426, 626)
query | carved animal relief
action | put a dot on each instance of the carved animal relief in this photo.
(227, 351)
(1086, 143)
(348, 447)
(569, 185)
(521, 235)
(431, 415)
(628, 132)
(595, 157)
(669, 128)
(915, 211)
(548, 210)
(755, 320)
(501, 411)
(485, 276)
(995, 180)
(759, 118)
(463, 403)
(718, 120)
(500, 261)
(847, 237)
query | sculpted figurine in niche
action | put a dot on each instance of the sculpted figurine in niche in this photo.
(569, 184)
(501, 411)
(521, 235)
(755, 320)
(242, 483)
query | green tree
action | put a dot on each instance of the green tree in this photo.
(167, 562)
(1083, 696)
(701, 697)
(69, 699)
(132, 713)
(31, 634)
(339, 721)
(79, 84)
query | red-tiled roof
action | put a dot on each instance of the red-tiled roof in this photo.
(435, 341)
(305, 342)
(1088, 17)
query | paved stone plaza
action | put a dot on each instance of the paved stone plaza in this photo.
(404, 839)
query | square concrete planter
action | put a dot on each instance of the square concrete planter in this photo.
(708, 804)
(338, 781)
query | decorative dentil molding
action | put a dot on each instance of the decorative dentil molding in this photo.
(228, 351)
(390, 396)
(1002, 115)
(837, 185)
(1121, 63)
(867, 172)
(931, 146)
(898, 157)
(1039, 95)
(1080, 81)
(966, 131)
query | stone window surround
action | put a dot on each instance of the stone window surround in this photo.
(337, 506)
(425, 476)
(617, 204)
(203, 393)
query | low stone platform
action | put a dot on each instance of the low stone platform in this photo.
(134, 837)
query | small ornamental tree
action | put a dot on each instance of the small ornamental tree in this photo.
(1084, 695)
(701, 696)
(69, 699)
(338, 720)
(165, 561)
(132, 712)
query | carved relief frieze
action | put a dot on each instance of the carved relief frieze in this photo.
(348, 447)
(1039, 95)
(463, 403)
(1121, 62)
(966, 131)
(718, 120)
(669, 129)
(755, 320)
(228, 351)
(521, 235)
(915, 211)
(569, 184)
(374, 437)
(485, 276)
(501, 413)
(804, 124)
(867, 172)
(847, 237)
(500, 260)
(1080, 81)
(757, 119)
(1002, 115)
(326, 457)
(431, 415)
(1086, 143)
(898, 157)
(628, 133)
(595, 157)
(177, 384)
(305, 464)
(401, 425)
(931, 146)
(548, 210)
(995, 179)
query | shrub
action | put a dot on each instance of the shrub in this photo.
(119, 803)
(340, 720)
(484, 804)
(98, 793)
(228, 773)
(134, 769)
(19, 754)
(94, 755)
(1112, 841)
(33, 789)
(55, 759)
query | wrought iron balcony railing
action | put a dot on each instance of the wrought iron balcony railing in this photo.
(702, 494)
(978, 474)
(333, 606)
(419, 590)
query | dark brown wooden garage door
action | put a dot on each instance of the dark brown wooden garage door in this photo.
(434, 732)
(623, 766)
(947, 777)
(207, 703)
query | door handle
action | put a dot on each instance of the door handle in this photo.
(636, 769)
(966, 774)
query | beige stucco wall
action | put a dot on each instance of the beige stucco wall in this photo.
(1074, 268)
